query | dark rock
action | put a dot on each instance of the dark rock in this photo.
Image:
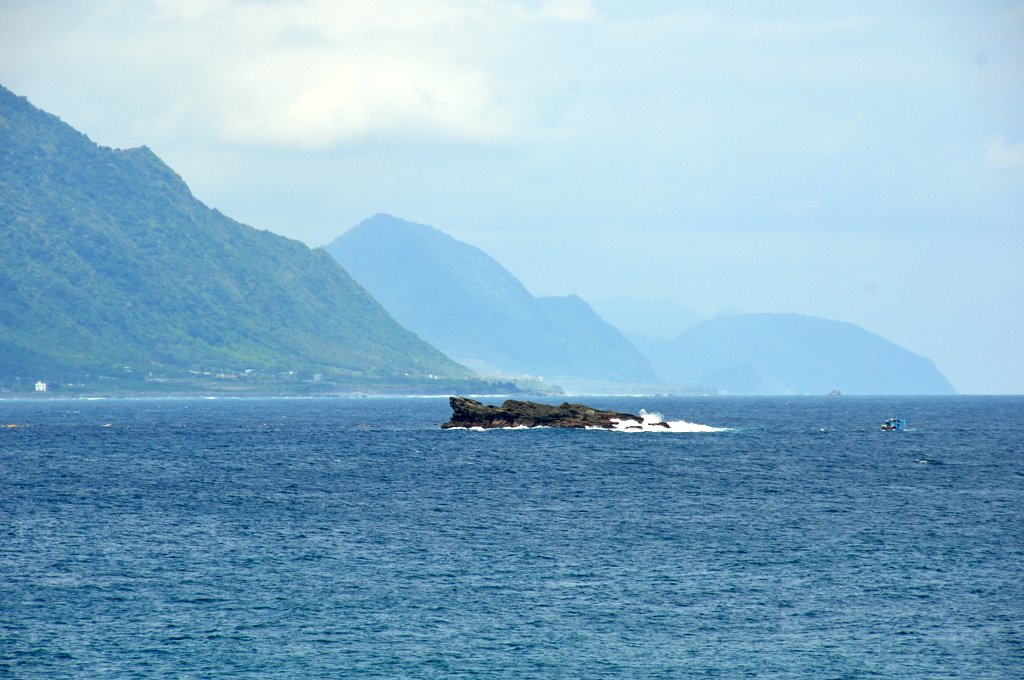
(470, 413)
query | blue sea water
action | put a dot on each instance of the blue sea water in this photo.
(353, 537)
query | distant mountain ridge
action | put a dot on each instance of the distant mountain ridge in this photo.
(107, 261)
(460, 299)
(654, 318)
(790, 354)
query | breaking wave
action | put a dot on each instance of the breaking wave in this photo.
(650, 422)
(654, 422)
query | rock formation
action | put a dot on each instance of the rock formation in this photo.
(470, 413)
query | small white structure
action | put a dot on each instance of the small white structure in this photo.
(40, 386)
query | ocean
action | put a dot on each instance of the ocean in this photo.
(352, 537)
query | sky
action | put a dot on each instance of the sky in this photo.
(856, 161)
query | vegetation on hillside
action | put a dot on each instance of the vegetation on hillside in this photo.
(109, 266)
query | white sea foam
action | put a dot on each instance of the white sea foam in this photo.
(651, 422)
(655, 422)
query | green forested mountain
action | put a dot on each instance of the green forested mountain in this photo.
(107, 261)
(464, 302)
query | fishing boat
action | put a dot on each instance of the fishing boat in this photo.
(893, 424)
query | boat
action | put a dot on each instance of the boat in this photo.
(893, 424)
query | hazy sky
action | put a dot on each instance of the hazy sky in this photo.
(856, 161)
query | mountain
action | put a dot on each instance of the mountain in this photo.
(790, 354)
(461, 300)
(656, 318)
(109, 265)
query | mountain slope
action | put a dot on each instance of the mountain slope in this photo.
(791, 354)
(460, 299)
(107, 260)
(655, 318)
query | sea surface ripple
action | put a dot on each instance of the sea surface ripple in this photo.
(353, 537)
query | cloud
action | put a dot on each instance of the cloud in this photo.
(316, 74)
(1006, 154)
(312, 74)
(319, 73)
(321, 100)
